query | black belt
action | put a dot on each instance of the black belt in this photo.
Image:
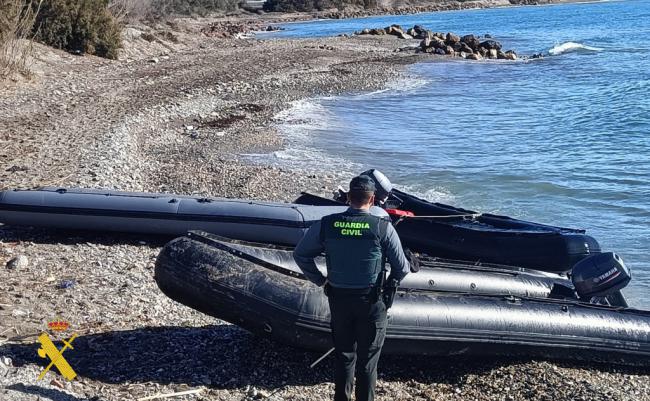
(351, 291)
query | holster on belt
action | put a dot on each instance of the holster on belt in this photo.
(389, 291)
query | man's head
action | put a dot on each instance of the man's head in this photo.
(362, 192)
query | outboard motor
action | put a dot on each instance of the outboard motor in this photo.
(382, 184)
(601, 275)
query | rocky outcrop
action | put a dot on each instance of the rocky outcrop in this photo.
(469, 47)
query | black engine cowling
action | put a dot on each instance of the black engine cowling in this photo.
(600, 275)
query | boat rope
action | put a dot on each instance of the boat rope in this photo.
(471, 216)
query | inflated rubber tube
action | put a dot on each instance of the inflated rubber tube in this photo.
(435, 274)
(162, 214)
(484, 237)
(291, 310)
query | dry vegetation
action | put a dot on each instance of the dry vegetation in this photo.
(16, 21)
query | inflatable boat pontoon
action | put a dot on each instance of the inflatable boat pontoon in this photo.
(452, 232)
(436, 229)
(267, 296)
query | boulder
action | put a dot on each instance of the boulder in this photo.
(457, 46)
(487, 36)
(404, 36)
(449, 50)
(426, 42)
(491, 44)
(430, 50)
(440, 52)
(377, 31)
(439, 35)
(474, 56)
(451, 38)
(438, 44)
(492, 53)
(511, 55)
(464, 47)
(395, 30)
(364, 32)
(501, 55)
(482, 51)
(471, 41)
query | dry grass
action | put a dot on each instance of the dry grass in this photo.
(130, 10)
(16, 22)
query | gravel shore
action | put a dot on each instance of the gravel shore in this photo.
(175, 116)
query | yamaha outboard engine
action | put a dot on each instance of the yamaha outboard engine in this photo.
(601, 275)
(382, 184)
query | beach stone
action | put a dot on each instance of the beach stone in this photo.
(501, 55)
(426, 42)
(491, 44)
(474, 56)
(493, 53)
(404, 36)
(440, 52)
(511, 55)
(452, 38)
(18, 262)
(471, 41)
(464, 47)
(438, 44)
(482, 51)
(449, 50)
(458, 47)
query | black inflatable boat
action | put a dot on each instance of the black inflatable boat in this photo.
(436, 229)
(452, 232)
(259, 291)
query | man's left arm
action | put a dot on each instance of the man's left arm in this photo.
(399, 265)
(307, 249)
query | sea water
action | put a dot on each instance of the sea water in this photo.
(564, 140)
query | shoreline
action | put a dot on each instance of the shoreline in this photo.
(178, 124)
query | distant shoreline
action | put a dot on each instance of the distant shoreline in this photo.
(351, 12)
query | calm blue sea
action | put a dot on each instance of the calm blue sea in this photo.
(564, 140)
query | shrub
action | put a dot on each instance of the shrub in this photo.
(16, 21)
(79, 25)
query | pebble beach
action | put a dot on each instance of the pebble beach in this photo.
(176, 114)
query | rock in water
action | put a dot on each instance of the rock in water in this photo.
(491, 44)
(471, 41)
(19, 262)
(451, 38)
(464, 47)
(474, 56)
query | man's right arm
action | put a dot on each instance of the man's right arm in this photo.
(307, 249)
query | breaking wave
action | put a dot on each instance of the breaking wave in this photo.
(570, 47)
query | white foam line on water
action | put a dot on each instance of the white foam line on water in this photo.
(568, 47)
(306, 118)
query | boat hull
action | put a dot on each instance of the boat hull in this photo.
(286, 308)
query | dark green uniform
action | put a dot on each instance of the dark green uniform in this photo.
(356, 244)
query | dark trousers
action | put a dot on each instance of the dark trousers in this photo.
(358, 325)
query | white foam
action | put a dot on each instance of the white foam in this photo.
(299, 124)
(569, 47)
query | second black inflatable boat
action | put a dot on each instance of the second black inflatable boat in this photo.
(436, 229)
(228, 280)
(452, 232)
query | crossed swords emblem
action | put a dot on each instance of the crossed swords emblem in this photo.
(49, 350)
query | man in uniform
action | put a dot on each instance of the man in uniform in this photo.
(356, 244)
